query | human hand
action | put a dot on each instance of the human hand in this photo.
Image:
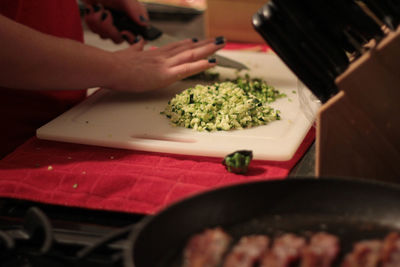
(100, 20)
(137, 70)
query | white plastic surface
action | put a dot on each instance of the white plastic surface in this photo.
(132, 121)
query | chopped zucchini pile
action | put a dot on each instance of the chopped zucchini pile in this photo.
(233, 104)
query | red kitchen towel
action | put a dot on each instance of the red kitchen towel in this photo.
(120, 180)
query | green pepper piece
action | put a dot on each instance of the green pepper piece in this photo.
(238, 161)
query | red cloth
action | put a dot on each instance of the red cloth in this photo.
(23, 111)
(120, 180)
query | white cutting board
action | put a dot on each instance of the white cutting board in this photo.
(132, 121)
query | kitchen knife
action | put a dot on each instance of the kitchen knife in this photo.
(303, 48)
(395, 5)
(358, 20)
(275, 32)
(384, 12)
(331, 23)
(342, 25)
(325, 48)
(289, 57)
(351, 18)
(156, 37)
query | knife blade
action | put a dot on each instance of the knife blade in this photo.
(158, 38)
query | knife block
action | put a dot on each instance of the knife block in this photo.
(358, 130)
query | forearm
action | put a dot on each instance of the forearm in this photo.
(32, 60)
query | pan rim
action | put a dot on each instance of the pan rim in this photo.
(129, 254)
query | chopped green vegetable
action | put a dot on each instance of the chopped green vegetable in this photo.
(238, 161)
(235, 104)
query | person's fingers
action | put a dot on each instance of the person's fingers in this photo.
(144, 12)
(92, 17)
(105, 28)
(108, 29)
(138, 44)
(137, 12)
(189, 45)
(95, 19)
(169, 48)
(91, 9)
(129, 37)
(188, 69)
(195, 54)
(220, 41)
(88, 10)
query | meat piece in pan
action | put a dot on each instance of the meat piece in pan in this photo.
(248, 252)
(391, 250)
(321, 251)
(285, 251)
(365, 254)
(206, 249)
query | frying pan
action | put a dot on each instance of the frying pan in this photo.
(352, 209)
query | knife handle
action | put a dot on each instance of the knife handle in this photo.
(268, 24)
(124, 23)
(384, 12)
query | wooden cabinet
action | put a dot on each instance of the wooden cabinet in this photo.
(232, 19)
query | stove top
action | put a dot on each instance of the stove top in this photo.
(33, 234)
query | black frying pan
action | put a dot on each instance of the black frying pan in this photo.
(351, 209)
